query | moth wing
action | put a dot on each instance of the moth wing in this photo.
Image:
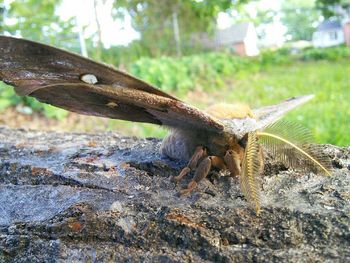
(29, 66)
(126, 104)
(270, 114)
(55, 76)
(263, 116)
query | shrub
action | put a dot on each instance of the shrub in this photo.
(275, 57)
(9, 98)
(186, 73)
(330, 54)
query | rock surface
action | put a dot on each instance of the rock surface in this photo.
(107, 198)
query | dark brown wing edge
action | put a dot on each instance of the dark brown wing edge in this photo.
(29, 65)
(127, 104)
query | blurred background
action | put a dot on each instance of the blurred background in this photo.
(202, 51)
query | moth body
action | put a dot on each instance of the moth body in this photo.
(181, 143)
(207, 150)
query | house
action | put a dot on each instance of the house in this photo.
(330, 33)
(240, 38)
(346, 28)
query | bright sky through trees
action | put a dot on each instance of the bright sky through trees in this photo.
(119, 32)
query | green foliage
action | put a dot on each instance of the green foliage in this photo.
(327, 7)
(9, 98)
(37, 20)
(155, 20)
(285, 56)
(191, 72)
(275, 57)
(122, 55)
(299, 16)
(53, 112)
(330, 54)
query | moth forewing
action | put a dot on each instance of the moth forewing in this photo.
(78, 84)
(28, 66)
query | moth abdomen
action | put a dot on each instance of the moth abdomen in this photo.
(180, 144)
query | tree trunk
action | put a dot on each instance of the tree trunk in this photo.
(99, 32)
(82, 41)
(106, 198)
(176, 34)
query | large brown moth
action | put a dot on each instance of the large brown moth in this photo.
(230, 137)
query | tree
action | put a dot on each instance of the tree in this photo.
(161, 23)
(2, 15)
(330, 8)
(300, 18)
(37, 20)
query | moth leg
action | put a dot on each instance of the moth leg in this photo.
(202, 171)
(199, 153)
(233, 162)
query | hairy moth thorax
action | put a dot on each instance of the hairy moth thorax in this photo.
(230, 111)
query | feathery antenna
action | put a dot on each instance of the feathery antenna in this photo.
(249, 181)
(290, 144)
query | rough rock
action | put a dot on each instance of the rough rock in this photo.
(107, 198)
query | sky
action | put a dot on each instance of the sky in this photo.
(113, 32)
(121, 32)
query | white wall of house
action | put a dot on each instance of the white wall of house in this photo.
(328, 38)
(250, 41)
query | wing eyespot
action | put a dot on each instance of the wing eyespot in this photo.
(89, 78)
(112, 104)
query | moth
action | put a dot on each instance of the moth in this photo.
(229, 137)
